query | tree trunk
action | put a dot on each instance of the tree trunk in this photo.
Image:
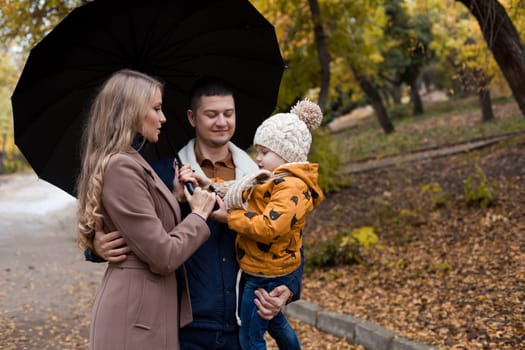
(504, 41)
(416, 99)
(395, 92)
(486, 105)
(322, 52)
(375, 100)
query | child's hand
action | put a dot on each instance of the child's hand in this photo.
(203, 181)
(220, 214)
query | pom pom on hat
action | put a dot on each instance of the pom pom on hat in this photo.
(309, 112)
(288, 134)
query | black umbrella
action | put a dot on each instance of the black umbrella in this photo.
(176, 41)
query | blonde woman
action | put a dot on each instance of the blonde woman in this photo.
(136, 306)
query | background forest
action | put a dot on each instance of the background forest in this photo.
(432, 249)
(384, 53)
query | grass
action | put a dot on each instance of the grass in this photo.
(430, 130)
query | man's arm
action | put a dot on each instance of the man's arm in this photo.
(269, 304)
(90, 255)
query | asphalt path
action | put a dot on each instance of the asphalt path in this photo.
(46, 289)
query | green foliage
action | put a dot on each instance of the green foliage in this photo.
(367, 140)
(342, 104)
(438, 197)
(14, 162)
(325, 254)
(399, 111)
(11, 158)
(324, 153)
(344, 249)
(24, 22)
(440, 267)
(478, 191)
(294, 29)
(408, 37)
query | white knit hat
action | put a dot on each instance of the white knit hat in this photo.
(288, 134)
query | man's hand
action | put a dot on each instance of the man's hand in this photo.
(111, 246)
(269, 304)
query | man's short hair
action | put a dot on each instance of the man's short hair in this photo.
(208, 87)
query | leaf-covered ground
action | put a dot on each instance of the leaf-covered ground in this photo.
(443, 273)
(452, 276)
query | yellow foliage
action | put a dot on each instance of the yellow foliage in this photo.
(365, 235)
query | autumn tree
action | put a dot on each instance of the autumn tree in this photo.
(322, 52)
(358, 33)
(459, 42)
(294, 27)
(25, 22)
(8, 76)
(475, 76)
(407, 38)
(503, 41)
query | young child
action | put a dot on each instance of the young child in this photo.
(268, 211)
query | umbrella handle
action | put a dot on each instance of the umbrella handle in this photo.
(189, 185)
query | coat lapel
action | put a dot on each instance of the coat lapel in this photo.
(159, 185)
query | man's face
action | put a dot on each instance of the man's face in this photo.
(214, 120)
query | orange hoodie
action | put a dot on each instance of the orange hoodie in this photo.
(270, 231)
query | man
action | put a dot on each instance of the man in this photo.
(213, 268)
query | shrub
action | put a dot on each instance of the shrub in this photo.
(343, 249)
(438, 197)
(477, 190)
(13, 162)
(400, 111)
(322, 255)
(324, 153)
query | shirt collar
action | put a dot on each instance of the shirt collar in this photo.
(226, 161)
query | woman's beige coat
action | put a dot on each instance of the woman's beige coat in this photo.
(137, 305)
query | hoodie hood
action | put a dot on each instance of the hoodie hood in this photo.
(308, 172)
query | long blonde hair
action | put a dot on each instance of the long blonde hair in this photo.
(116, 115)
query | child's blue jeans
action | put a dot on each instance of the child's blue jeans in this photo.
(253, 327)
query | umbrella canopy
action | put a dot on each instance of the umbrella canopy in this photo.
(178, 42)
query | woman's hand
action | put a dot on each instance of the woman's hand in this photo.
(201, 202)
(182, 175)
(185, 175)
